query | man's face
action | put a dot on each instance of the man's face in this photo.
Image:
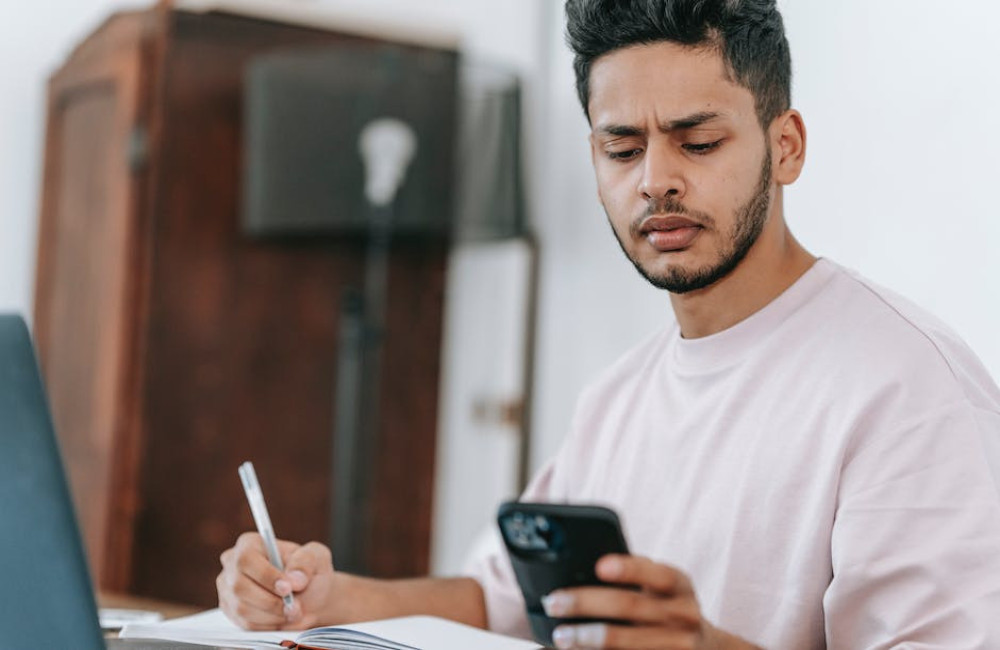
(683, 167)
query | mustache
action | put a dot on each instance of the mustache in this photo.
(666, 207)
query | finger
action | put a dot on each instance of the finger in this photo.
(248, 604)
(644, 572)
(602, 635)
(241, 587)
(307, 561)
(286, 549)
(623, 605)
(248, 558)
(289, 583)
(249, 618)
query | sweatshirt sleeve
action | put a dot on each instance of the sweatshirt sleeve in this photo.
(916, 539)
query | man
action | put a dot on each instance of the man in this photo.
(804, 460)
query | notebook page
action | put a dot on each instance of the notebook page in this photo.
(429, 633)
(209, 628)
(423, 632)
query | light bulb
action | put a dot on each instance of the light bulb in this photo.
(387, 147)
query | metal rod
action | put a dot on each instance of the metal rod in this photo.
(356, 429)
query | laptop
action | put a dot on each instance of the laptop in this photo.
(47, 600)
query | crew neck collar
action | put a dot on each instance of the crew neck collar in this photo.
(725, 348)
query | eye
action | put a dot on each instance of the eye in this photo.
(623, 156)
(702, 147)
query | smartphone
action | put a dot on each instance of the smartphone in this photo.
(553, 546)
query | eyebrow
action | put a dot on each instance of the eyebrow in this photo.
(680, 124)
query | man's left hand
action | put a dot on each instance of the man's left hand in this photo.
(663, 613)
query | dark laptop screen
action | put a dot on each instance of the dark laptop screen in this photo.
(46, 600)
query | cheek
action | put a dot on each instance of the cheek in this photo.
(618, 211)
(727, 193)
(614, 191)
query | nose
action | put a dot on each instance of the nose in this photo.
(661, 174)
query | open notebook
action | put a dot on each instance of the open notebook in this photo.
(410, 633)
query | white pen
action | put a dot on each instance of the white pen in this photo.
(262, 519)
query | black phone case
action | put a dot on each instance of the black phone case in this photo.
(582, 535)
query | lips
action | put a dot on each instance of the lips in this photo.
(670, 233)
(672, 222)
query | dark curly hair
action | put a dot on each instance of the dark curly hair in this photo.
(749, 34)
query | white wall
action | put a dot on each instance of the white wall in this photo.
(34, 40)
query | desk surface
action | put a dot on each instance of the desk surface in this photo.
(166, 609)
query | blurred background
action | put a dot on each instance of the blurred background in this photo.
(182, 332)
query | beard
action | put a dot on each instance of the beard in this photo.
(747, 226)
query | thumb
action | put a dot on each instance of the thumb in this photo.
(306, 562)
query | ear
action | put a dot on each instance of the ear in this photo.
(788, 146)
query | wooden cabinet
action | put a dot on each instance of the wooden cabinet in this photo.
(174, 347)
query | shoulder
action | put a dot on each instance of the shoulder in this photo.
(605, 402)
(628, 370)
(871, 334)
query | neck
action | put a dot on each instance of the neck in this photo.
(772, 265)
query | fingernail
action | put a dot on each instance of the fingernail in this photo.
(292, 612)
(298, 578)
(612, 567)
(282, 587)
(564, 636)
(557, 603)
(591, 635)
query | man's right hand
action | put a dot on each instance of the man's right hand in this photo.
(251, 588)
(250, 591)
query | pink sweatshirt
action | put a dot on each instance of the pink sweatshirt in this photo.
(827, 472)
